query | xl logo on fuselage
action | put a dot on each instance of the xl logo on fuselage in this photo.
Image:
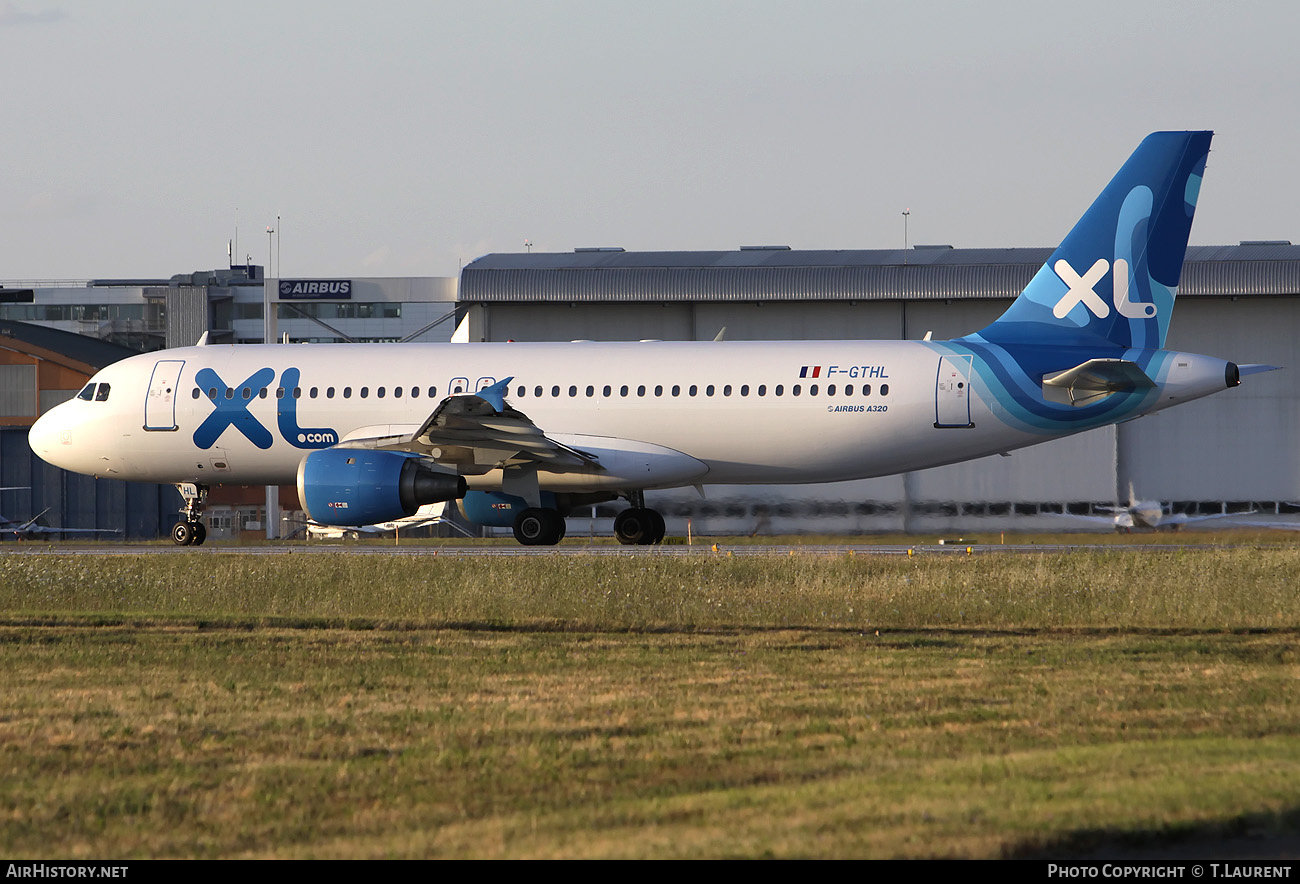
(1081, 291)
(231, 410)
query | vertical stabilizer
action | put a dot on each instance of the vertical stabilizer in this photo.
(1113, 280)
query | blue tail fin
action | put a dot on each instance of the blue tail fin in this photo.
(1112, 282)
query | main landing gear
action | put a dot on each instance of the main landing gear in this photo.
(637, 526)
(538, 526)
(640, 525)
(190, 531)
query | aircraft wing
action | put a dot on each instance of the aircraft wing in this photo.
(1184, 519)
(33, 527)
(478, 432)
(39, 530)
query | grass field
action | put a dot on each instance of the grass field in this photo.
(828, 706)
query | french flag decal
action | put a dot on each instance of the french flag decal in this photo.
(810, 371)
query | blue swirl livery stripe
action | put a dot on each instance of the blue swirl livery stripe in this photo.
(1011, 386)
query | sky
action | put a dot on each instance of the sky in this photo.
(396, 138)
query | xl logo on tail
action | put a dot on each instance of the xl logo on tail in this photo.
(1081, 291)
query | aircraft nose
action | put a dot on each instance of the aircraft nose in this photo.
(44, 437)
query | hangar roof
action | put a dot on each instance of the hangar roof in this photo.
(781, 274)
(52, 342)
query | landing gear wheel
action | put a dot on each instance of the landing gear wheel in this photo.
(536, 526)
(639, 526)
(658, 526)
(189, 534)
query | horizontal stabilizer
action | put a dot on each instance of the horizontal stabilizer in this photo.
(1256, 368)
(1093, 380)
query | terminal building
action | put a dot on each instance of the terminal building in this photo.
(1227, 453)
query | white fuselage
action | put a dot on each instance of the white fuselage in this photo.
(747, 412)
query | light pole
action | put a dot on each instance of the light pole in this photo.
(268, 335)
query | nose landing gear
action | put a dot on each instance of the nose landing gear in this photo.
(190, 531)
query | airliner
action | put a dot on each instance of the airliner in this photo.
(521, 434)
(1153, 515)
(32, 528)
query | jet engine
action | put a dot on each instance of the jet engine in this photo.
(496, 509)
(355, 486)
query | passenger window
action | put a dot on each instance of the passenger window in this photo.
(762, 389)
(212, 393)
(297, 392)
(555, 391)
(329, 392)
(397, 392)
(780, 389)
(866, 389)
(848, 389)
(433, 391)
(659, 389)
(622, 391)
(347, 392)
(677, 389)
(261, 394)
(279, 393)
(519, 392)
(313, 393)
(640, 391)
(744, 389)
(708, 391)
(812, 389)
(693, 390)
(197, 394)
(606, 391)
(573, 391)
(379, 393)
(726, 391)
(365, 392)
(591, 391)
(794, 391)
(88, 393)
(230, 392)
(247, 392)
(830, 390)
(884, 389)
(415, 392)
(537, 391)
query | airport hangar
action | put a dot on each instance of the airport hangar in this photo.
(1228, 452)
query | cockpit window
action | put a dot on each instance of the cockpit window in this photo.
(87, 392)
(102, 394)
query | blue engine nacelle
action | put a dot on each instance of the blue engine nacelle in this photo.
(357, 486)
(497, 510)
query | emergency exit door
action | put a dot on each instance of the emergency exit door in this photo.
(952, 393)
(160, 404)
